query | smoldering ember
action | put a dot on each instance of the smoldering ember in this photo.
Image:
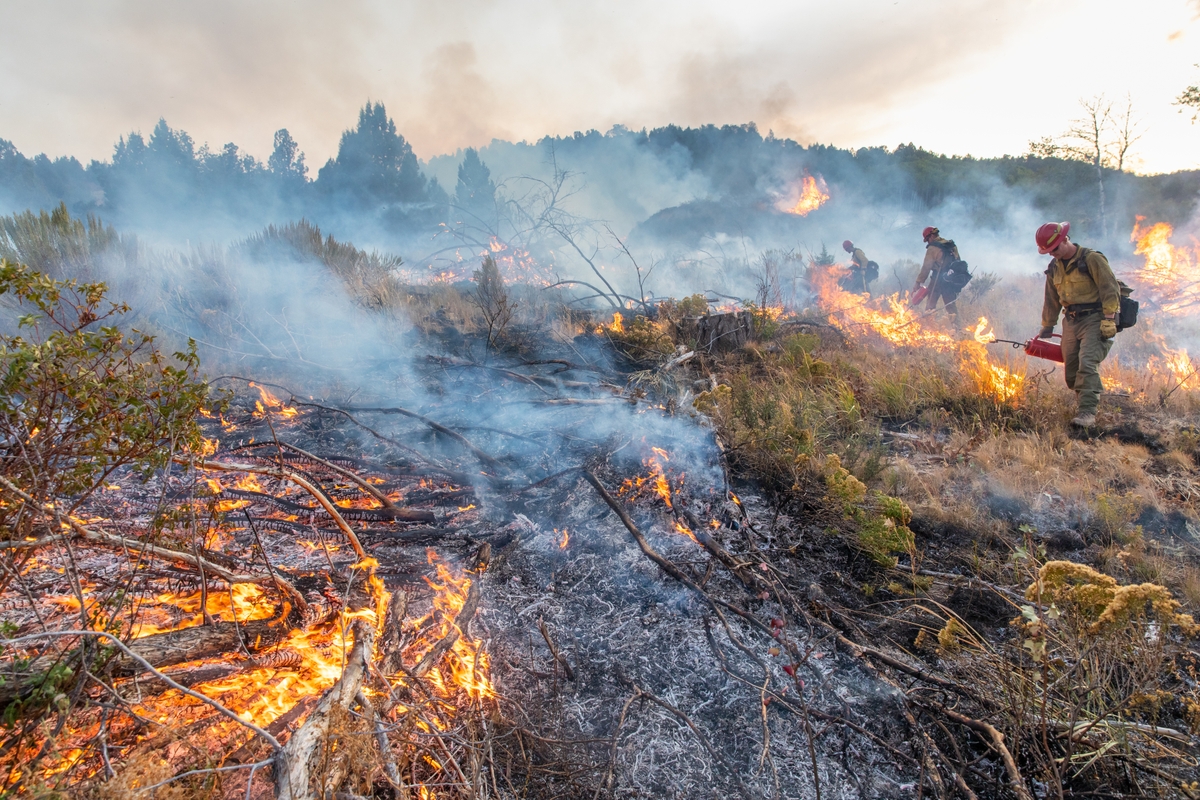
(591, 468)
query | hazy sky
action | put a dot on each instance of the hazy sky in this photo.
(957, 76)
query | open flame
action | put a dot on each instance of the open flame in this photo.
(1001, 384)
(1170, 274)
(811, 194)
(617, 325)
(983, 332)
(886, 317)
(686, 531)
(656, 478)
(467, 664)
(270, 401)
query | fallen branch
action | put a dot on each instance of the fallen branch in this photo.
(351, 475)
(112, 540)
(458, 437)
(996, 740)
(293, 770)
(558, 657)
(291, 475)
(685, 719)
(650, 552)
(271, 740)
(462, 622)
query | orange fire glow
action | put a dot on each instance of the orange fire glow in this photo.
(467, 664)
(812, 194)
(617, 326)
(272, 402)
(886, 317)
(1170, 274)
(243, 602)
(1000, 383)
(983, 332)
(248, 483)
(686, 531)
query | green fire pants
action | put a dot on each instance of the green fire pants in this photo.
(1083, 350)
(939, 290)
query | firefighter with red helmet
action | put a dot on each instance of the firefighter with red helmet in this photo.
(1082, 287)
(861, 270)
(942, 262)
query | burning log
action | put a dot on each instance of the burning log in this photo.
(199, 642)
(462, 622)
(358, 514)
(293, 770)
(134, 546)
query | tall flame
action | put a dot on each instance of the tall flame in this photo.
(813, 194)
(1170, 273)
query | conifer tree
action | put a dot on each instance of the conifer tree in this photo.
(374, 164)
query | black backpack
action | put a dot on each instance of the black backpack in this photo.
(956, 276)
(872, 271)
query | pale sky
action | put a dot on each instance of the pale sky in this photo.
(969, 76)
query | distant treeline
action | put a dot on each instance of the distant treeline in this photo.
(375, 188)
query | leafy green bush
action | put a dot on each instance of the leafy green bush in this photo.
(80, 399)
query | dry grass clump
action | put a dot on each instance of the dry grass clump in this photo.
(146, 769)
(1091, 680)
(1100, 598)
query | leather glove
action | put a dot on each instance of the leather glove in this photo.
(1047, 332)
(1108, 328)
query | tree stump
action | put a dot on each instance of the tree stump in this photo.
(717, 333)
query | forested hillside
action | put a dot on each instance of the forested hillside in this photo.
(375, 190)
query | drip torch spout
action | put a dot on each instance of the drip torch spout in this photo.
(1016, 345)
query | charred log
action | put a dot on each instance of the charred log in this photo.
(201, 641)
(718, 333)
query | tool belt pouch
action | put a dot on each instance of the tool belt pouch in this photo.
(956, 276)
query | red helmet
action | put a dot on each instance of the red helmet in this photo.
(847, 245)
(929, 233)
(1051, 235)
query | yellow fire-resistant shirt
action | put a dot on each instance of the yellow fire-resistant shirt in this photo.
(937, 259)
(858, 259)
(1067, 285)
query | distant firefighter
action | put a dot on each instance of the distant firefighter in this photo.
(1081, 285)
(949, 272)
(861, 273)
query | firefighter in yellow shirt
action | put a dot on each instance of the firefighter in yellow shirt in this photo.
(1081, 285)
(941, 256)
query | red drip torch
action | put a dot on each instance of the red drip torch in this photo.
(1038, 348)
